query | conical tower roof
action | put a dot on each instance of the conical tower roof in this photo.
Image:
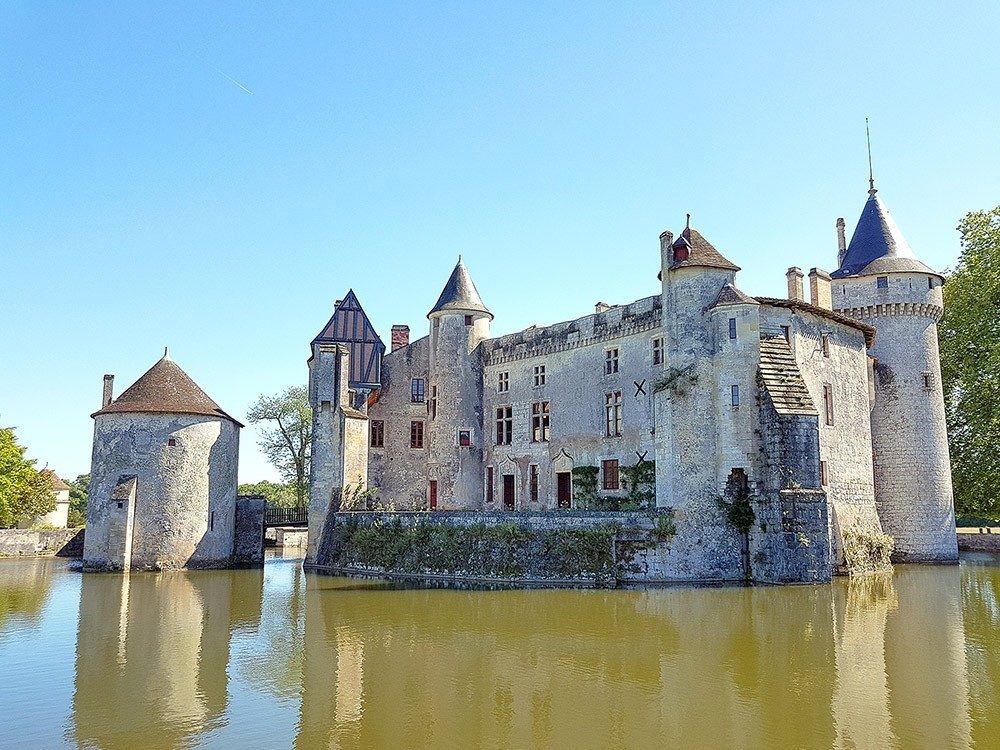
(460, 294)
(877, 245)
(700, 252)
(165, 389)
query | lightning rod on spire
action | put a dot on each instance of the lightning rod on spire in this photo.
(871, 175)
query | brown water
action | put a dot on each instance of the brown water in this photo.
(280, 658)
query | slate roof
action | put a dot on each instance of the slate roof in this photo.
(794, 304)
(165, 389)
(877, 246)
(700, 252)
(730, 295)
(460, 293)
(782, 379)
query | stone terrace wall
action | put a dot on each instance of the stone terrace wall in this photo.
(41, 542)
(641, 546)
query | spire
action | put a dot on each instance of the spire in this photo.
(460, 294)
(878, 246)
(871, 175)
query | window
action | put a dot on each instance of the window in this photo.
(786, 331)
(610, 471)
(735, 395)
(505, 425)
(658, 351)
(464, 438)
(539, 375)
(533, 482)
(613, 414)
(171, 442)
(503, 382)
(468, 320)
(930, 283)
(540, 422)
(825, 344)
(489, 484)
(928, 379)
(611, 362)
(823, 476)
(377, 436)
(732, 328)
(211, 521)
(417, 390)
(432, 407)
(828, 403)
(416, 434)
(882, 282)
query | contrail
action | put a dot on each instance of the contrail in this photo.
(231, 79)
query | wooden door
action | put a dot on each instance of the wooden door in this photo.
(508, 492)
(563, 489)
(434, 494)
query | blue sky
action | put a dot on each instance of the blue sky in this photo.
(148, 199)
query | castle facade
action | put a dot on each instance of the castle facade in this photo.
(825, 415)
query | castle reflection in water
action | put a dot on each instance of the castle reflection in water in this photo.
(282, 658)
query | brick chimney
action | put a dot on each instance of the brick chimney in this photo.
(841, 242)
(795, 276)
(819, 289)
(400, 337)
(109, 387)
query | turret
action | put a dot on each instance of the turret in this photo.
(881, 282)
(459, 322)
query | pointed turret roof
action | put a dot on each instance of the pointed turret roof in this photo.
(165, 389)
(699, 252)
(877, 245)
(460, 293)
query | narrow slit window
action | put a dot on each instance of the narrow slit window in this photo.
(825, 344)
(658, 351)
(786, 332)
(533, 483)
(732, 328)
(489, 484)
(828, 403)
(377, 434)
(824, 477)
(734, 394)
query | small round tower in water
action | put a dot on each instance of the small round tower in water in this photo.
(163, 476)
(459, 322)
(881, 282)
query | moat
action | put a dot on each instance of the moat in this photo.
(282, 658)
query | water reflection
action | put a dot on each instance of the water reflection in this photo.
(152, 652)
(252, 659)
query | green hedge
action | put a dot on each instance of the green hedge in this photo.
(502, 551)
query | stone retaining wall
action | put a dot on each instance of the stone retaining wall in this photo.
(973, 539)
(41, 542)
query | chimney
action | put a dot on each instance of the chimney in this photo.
(841, 242)
(601, 307)
(666, 254)
(109, 387)
(795, 276)
(819, 288)
(400, 337)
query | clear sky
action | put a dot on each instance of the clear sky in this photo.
(212, 177)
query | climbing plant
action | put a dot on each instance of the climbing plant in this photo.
(640, 486)
(585, 486)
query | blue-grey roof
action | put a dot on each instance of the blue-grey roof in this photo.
(460, 294)
(877, 245)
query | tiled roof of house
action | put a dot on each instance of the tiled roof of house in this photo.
(57, 483)
(165, 389)
(782, 379)
(795, 304)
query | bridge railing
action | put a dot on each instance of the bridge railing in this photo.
(274, 516)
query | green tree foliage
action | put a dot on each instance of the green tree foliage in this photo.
(278, 495)
(969, 336)
(288, 439)
(24, 491)
(79, 488)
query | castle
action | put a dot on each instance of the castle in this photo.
(826, 415)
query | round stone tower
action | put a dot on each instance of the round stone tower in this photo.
(881, 282)
(163, 476)
(459, 322)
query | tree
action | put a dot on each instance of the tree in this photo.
(969, 336)
(279, 495)
(79, 488)
(288, 443)
(24, 491)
